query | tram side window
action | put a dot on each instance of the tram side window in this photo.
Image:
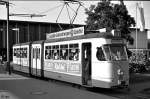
(25, 53)
(74, 52)
(55, 52)
(17, 53)
(64, 52)
(20, 52)
(99, 54)
(14, 51)
(47, 52)
(38, 53)
(33, 53)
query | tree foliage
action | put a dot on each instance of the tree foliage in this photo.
(110, 16)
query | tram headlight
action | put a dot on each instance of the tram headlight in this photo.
(120, 72)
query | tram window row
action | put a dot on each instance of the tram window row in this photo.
(20, 52)
(62, 52)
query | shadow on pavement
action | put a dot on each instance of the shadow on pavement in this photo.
(139, 78)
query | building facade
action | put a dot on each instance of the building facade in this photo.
(27, 31)
(140, 39)
(139, 49)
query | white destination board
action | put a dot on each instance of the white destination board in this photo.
(66, 33)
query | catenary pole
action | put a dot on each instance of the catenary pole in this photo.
(8, 59)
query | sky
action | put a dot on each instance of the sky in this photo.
(52, 10)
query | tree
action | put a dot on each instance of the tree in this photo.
(110, 16)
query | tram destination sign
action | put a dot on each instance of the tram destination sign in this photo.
(66, 33)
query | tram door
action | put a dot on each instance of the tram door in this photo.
(36, 60)
(86, 63)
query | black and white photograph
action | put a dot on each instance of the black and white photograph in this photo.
(74, 49)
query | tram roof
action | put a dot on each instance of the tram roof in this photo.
(19, 44)
(88, 35)
(38, 42)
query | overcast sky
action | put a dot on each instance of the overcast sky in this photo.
(52, 9)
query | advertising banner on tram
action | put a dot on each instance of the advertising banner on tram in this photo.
(66, 33)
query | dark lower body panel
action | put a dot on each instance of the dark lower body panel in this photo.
(63, 77)
(21, 68)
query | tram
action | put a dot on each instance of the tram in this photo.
(93, 59)
(21, 57)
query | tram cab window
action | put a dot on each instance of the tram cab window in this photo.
(118, 53)
(99, 54)
(107, 53)
(115, 52)
(74, 52)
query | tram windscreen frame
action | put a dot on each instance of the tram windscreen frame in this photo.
(112, 52)
(115, 52)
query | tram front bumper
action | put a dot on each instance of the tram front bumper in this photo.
(111, 84)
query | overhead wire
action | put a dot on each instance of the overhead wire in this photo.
(29, 11)
(26, 10)
(75, 13)
(59, 15)
(65, 3)
(71, 8)
(68, 13)
(51, 9)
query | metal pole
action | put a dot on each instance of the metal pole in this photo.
(136, 33)
(18, 35)
(4, 36)
(8, 61)
(28, 33)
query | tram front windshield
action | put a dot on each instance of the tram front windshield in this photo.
(115, 52)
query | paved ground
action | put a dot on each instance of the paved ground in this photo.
(15, 86)
(140, 85)
(18, 87)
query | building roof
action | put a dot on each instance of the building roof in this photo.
(20, 21)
